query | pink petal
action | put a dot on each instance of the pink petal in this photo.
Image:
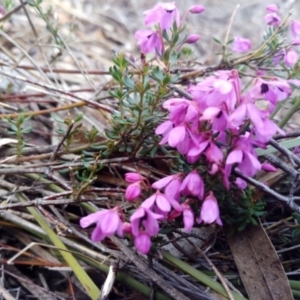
(91, 218)
(162, 182)
(149, 202)
(109, 222)
(162, 203)
(142, 243)
(223, 86)
(97, 234)
(176, 136)
(235, 156)
(238, 116)
(188, 219)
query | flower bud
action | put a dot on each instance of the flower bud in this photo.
(132, 191)
(268, 167)
(193, 38)
(133, 177)
(197, 9)
(272, 8)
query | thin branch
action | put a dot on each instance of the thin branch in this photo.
(142, 266)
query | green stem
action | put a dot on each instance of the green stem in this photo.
(290, 113)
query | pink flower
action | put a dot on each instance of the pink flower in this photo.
(191, 39)
(142, 242)
(164, 14)
(295, 28)
(133, 191)
(149, 41)
(244, 155)
(222, 88)
(171, 185)
(210, 210)
(273, 91)
(290, 58)
(197, 9)
(267, 130)
(107, 223)
(161, 203)
(241, 45)
(245, 109)
(272, 19)
(147, 218)
(193, 185)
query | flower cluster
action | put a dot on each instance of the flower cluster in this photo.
(216, 131)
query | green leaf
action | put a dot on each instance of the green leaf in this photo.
(129, 82)
(79, 117)
(217, 41)
(56, 118)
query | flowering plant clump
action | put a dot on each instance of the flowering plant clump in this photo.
(211, 129)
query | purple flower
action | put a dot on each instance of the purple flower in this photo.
(149, 41)
(197, 9)
(142, 242)
(241, 45)
(149, 220)
(193, 185)
(107, 222)
(191, 39)
(164, 14)
(272, 19)
(210, 210)
(295, 28)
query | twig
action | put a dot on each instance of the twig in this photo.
(13, 11)
(293, 158)
(281, 164)
(286, 200)
(43, 202)
(66, 135)
(50, 88)
(221, 278)
(142, 266)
